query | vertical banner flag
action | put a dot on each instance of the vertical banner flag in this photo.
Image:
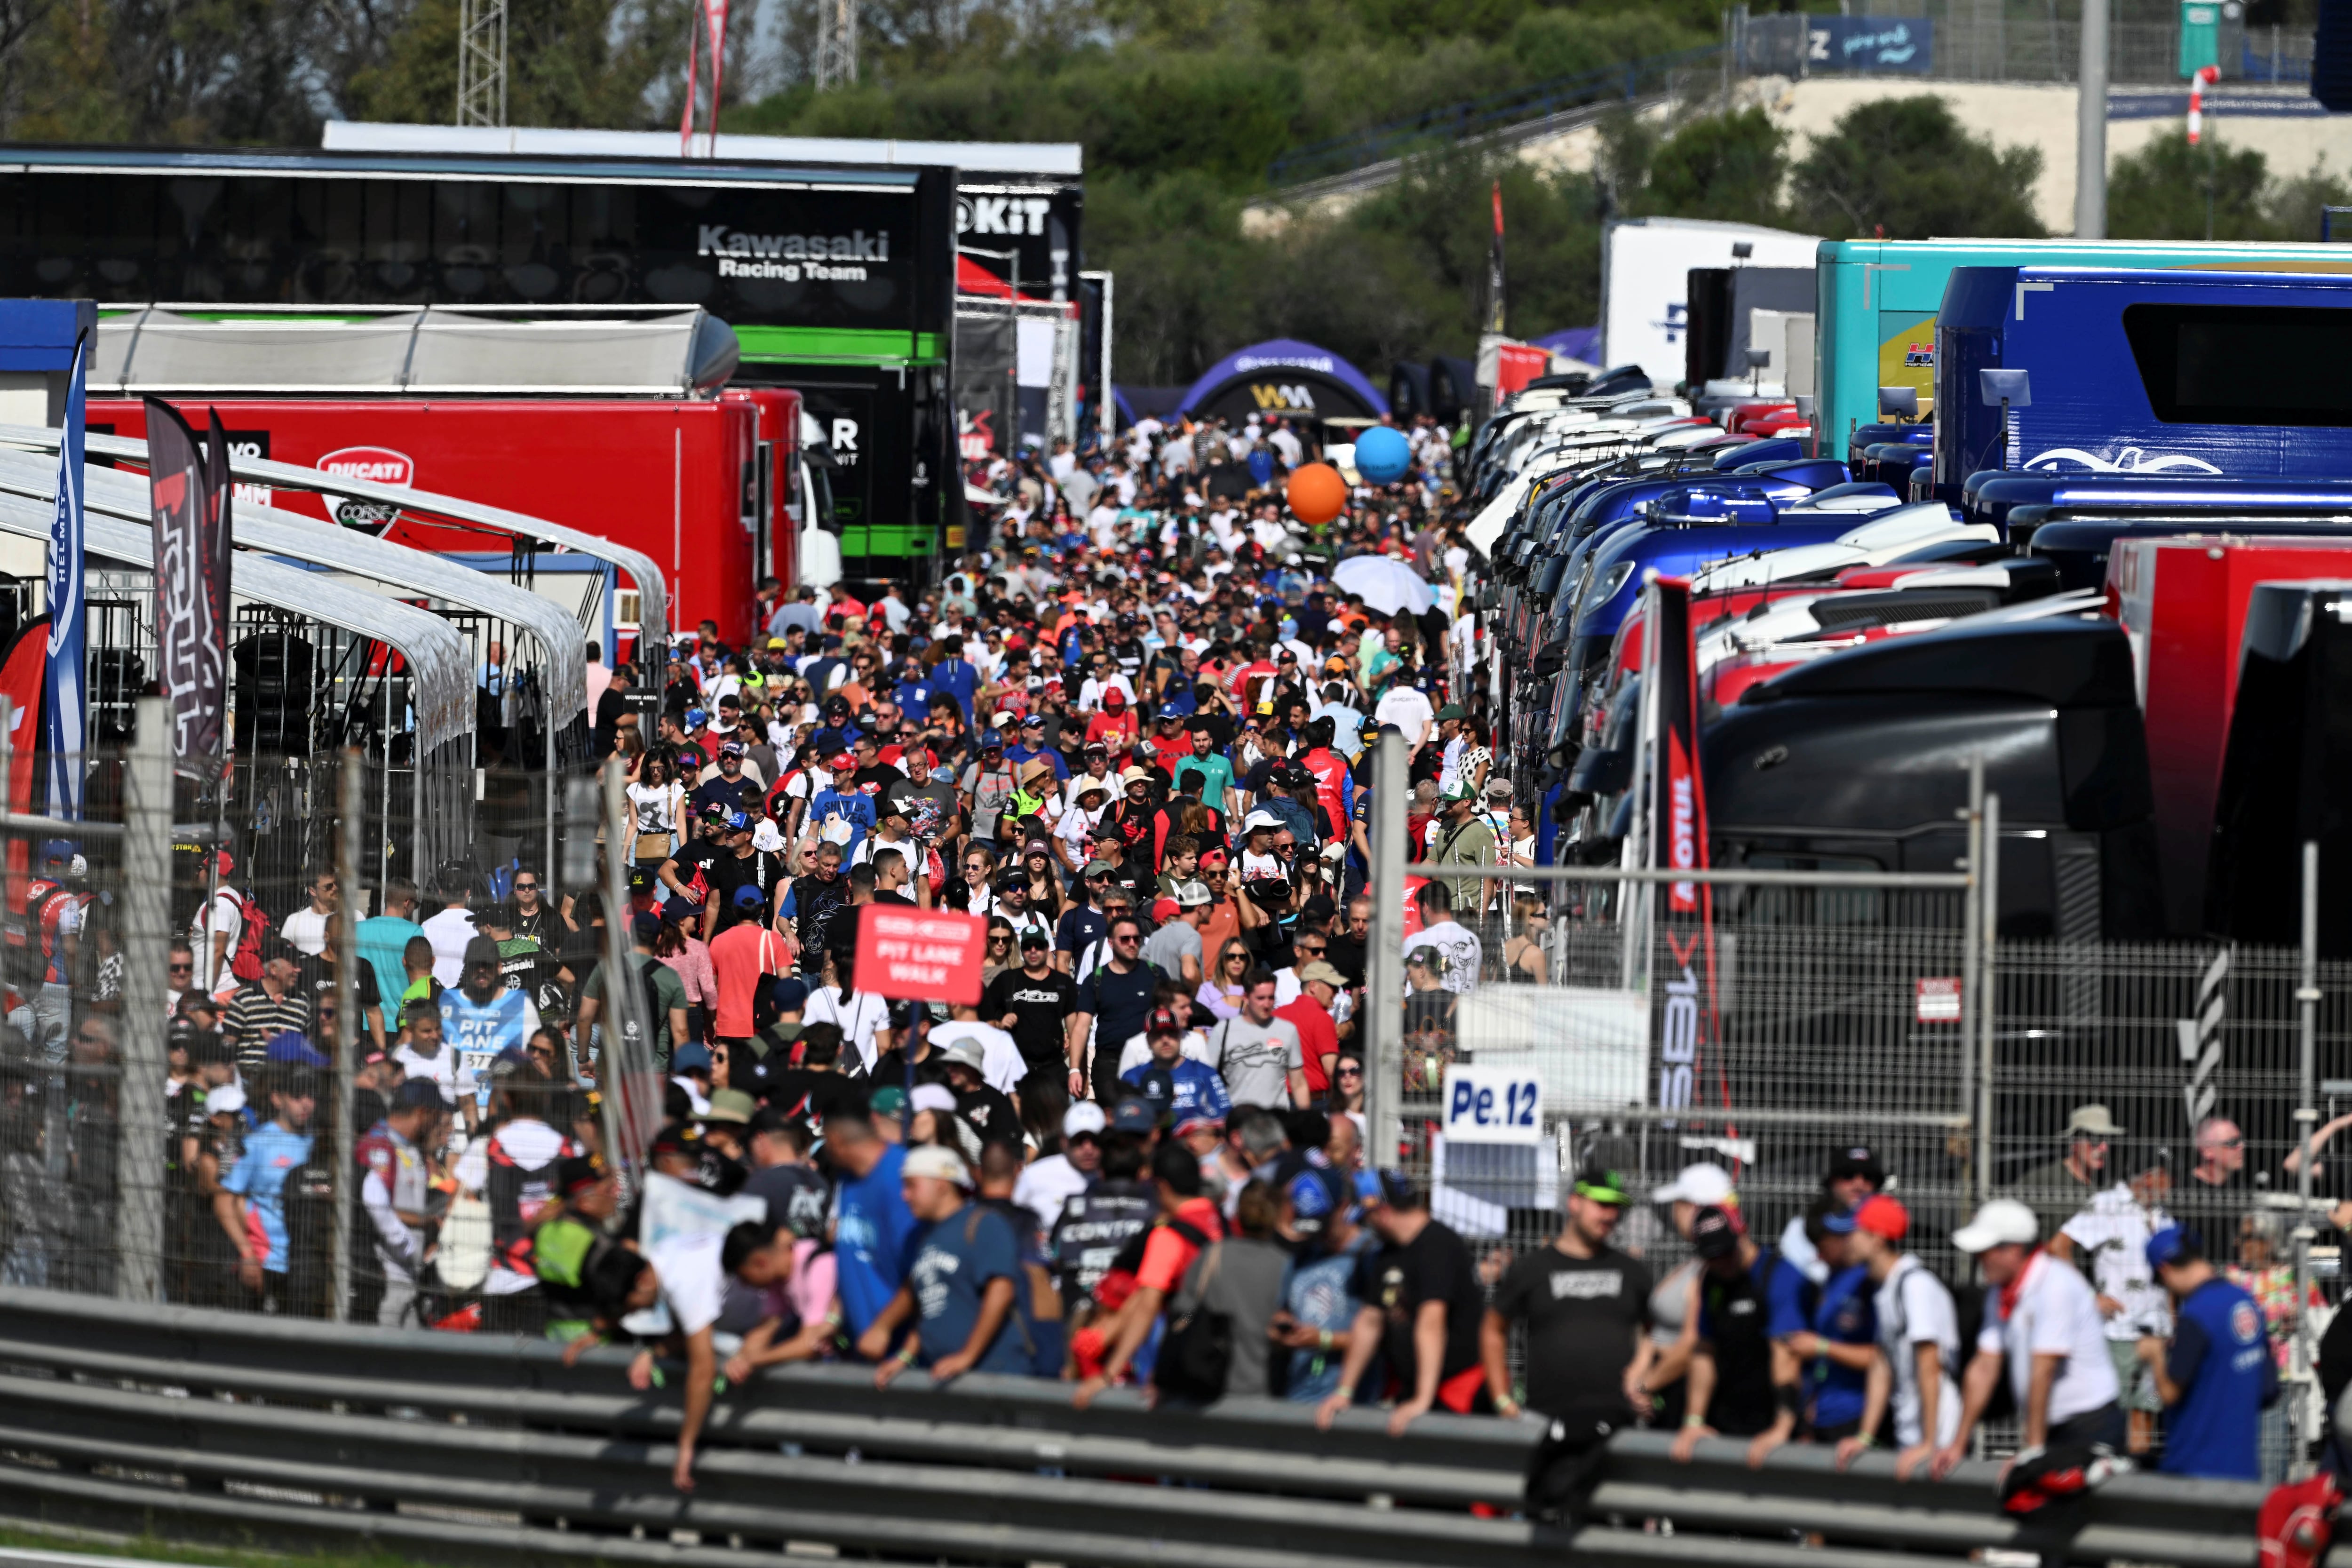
(1678, 842)
(1495, 268)
(714, 17)
(64, 707)
(188, 494)
(21, 669)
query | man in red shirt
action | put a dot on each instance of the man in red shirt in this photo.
(1330, 774)
(1310, 1014)
(1114, 726)
(739, 956)
(1173, 743)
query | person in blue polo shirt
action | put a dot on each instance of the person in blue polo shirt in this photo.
(2216, 1376)
(1843, 1339)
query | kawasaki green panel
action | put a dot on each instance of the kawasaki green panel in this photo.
(839, 345)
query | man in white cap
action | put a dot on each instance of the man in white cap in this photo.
(1047, 1184)
(959, 1290)
(2041, 1314)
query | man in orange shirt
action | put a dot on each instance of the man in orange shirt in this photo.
(1189, 1223)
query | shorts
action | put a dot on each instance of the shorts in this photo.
(2132, 1379)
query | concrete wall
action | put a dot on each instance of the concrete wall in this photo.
(2036, 115)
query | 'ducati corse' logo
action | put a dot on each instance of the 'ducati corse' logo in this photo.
(789, 257)
(375, 465)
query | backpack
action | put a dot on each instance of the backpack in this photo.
(2297, 1522)
(1196, 1353)
(245, 961)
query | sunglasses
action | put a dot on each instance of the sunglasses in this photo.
(526, 887)
(1352, 1072)
(183, 968)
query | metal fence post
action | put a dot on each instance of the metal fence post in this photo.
(2091, 125)
(2306, 1116)
(146, 958)
(623, 1009)
(349, 809)
(1384, 966)
(1972, 986)
(1988, 970)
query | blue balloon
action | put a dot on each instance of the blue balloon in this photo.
(1383, 455)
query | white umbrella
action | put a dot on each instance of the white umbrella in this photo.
(1387, 583)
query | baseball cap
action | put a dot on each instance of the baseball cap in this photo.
(933, 1096)
(691, 1055)
(1192, 895)
(1707, 1186)
(1602, 1185)
(1170, 710)
(1856, 1160)
(416, 1093)
(1164, 910)
(1324, 973)
(2002, 1221)
(1114, 700)
(291, 1049)
(1032, 937)
(481, 950)
(1452, 710)
(1133, 1116)
(748, 897)
(730, 748)
(888, 1101)
(1839, 1222)
(1713, 1233)
(695, 717)
(2165, 1245)
(1082, 1118)
(790, 994)
(228, 1097)
(840, 762)
(1310, 1200)
(646, 927)
(931, 1160)
(1884, 1216)
(991, 741)
(1163, 1022)
(574, 1172)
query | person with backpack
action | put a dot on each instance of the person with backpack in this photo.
(270, 1006)
(1189, 1225)
(1742, 1385)
(963, 1284)
(664, 994)
(1918, 1343)
(52, 924)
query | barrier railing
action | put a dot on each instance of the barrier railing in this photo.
(203, 1426)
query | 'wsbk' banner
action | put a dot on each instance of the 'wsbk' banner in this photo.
(1678, 842)
(188, 492)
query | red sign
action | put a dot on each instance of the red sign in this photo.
(920, 955)
(1938, 1000)
(1516, 365)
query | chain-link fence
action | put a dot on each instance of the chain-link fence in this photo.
(201, 1052)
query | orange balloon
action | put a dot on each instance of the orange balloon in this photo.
(1317, 493)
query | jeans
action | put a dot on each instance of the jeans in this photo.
(2105, 1424)
(52, 1020)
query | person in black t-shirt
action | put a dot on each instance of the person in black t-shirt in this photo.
(814, 1089)
(613, 713)
(1585, 1305)
(1732, 1390)
(1422, 1308)
(1033, 1004)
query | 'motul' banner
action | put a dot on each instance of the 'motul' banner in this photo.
(187, 488)
(920, 955)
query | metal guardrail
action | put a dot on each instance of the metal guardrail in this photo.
(243, 1430)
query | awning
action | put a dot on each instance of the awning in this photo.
(115, 493)
(441, 683)
(439, 350)
(652, 613)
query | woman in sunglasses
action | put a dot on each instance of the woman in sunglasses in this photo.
(999, 955)
(1221, 991)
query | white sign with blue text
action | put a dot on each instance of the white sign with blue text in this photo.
(1492, 1104)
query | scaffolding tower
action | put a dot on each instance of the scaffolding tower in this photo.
(836, 44)
(481, 62)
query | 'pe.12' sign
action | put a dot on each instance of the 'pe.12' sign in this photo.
(1869, 44)
(1492, 1104)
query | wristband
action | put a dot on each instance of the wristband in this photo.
(1346, 1391)
(1323, 1339)
(907, 1356)
(1691, 1420)
(1790, 1398)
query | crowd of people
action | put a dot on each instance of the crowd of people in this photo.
(1131, 735)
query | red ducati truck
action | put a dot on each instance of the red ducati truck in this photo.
(715, 489)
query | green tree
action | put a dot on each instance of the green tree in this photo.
(2169, 190)
(1725, 166)
(1904, 168)
(570, 63)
